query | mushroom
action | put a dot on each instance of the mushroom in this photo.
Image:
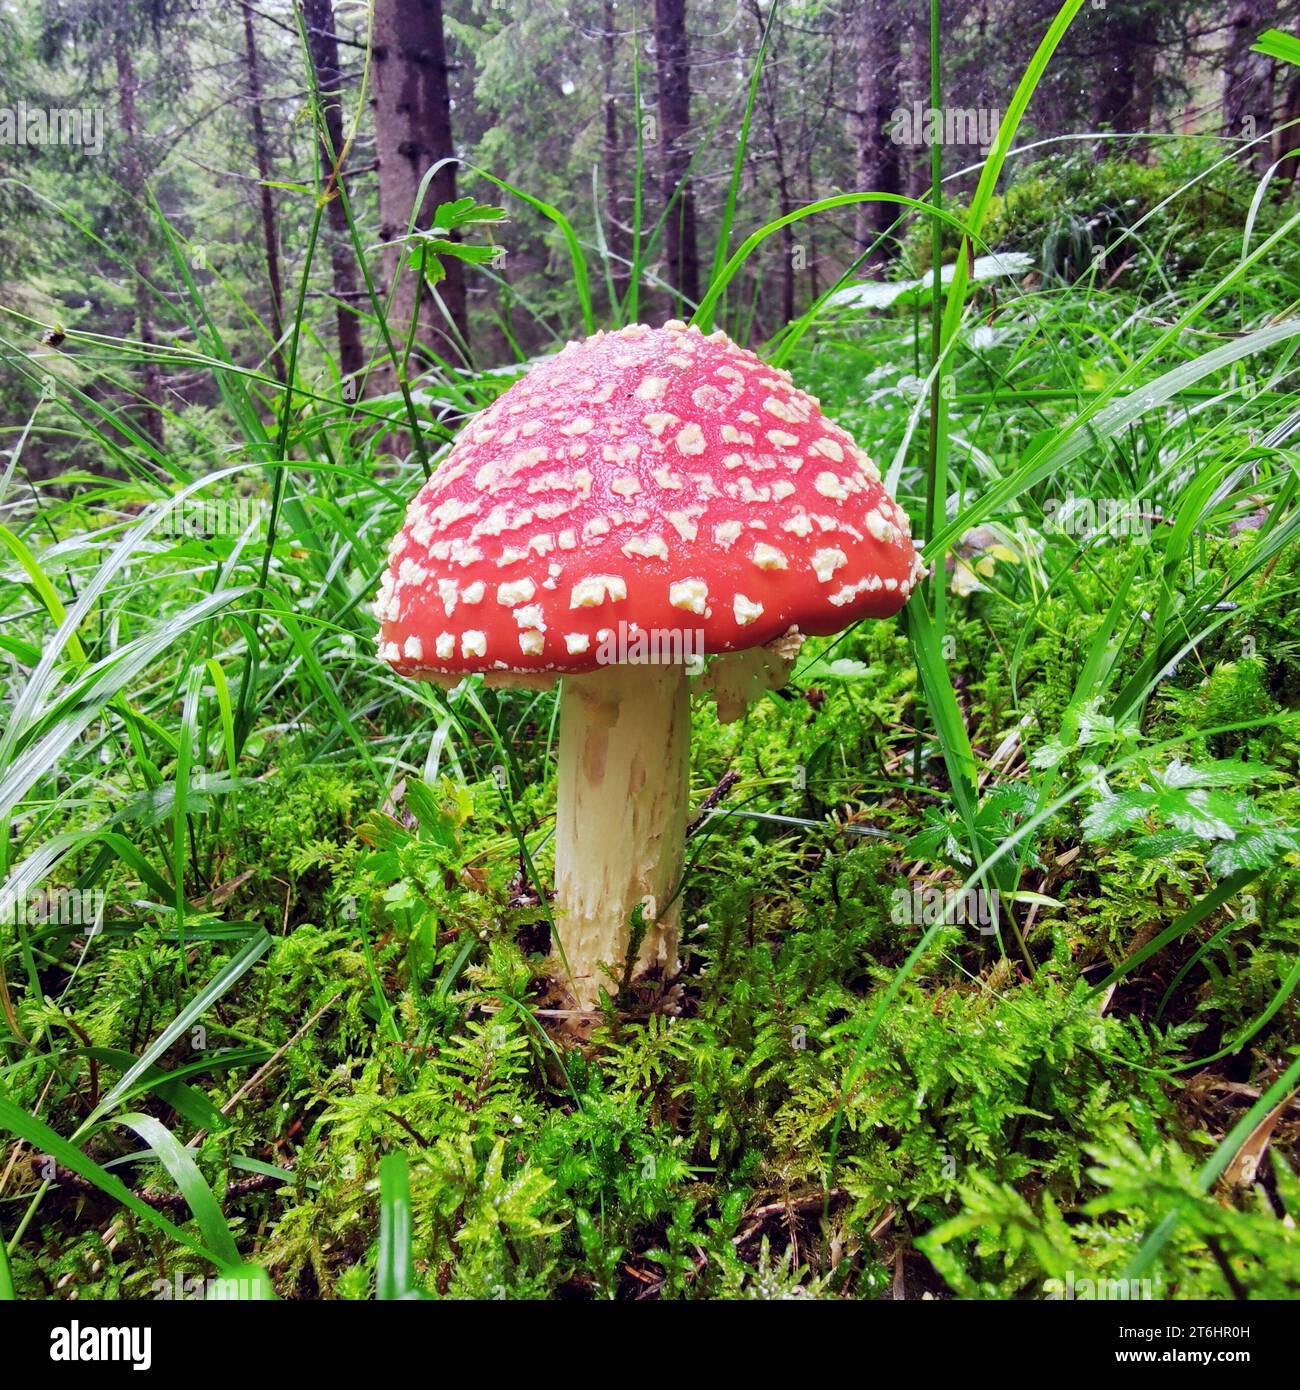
(638, 501)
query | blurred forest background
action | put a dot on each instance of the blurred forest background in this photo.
(587, 106)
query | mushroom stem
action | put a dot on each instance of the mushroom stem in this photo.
(621, 820)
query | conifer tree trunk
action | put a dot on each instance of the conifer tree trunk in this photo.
(323, 44)
(1288, 140)
(1125, 98)
(412, 104)
(877, 161)
(615, 231)
(1248, 79)
(918, 89)
(673, 90)
(261, 153)
(133, 180)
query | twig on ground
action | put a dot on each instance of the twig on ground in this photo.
(729, 780)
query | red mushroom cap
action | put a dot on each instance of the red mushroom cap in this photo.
(656, 478)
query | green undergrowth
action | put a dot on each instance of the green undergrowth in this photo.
(763, 1133)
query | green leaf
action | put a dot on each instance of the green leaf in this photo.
(1210, 815)
(437, 820)
(1164, 844)
(395, 1274)
(954, 741)
(1222, 773)
(185, 1100)
(184, 1172)
(45, 1141)
(1255, 849)
(1275, 43)
(429, 252)
(464, 212)
(1112, 815)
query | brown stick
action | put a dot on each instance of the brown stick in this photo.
(729, 780)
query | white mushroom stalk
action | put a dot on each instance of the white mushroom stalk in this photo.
(620, 829)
